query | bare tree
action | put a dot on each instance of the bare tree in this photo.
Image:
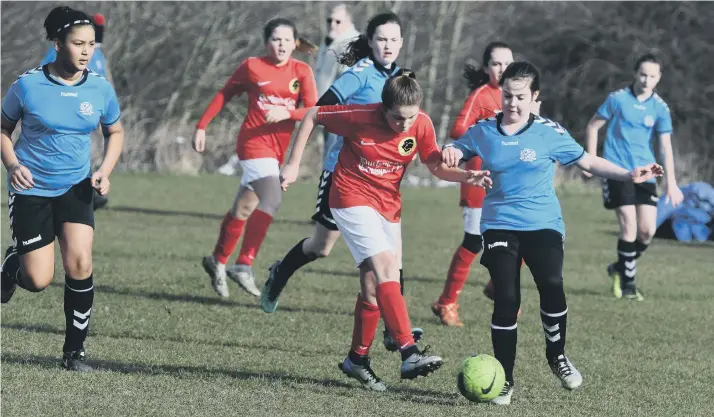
(450, 64)
(435, 50)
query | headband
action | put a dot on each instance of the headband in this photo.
(76, 22)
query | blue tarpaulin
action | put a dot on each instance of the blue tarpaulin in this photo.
(693, 220)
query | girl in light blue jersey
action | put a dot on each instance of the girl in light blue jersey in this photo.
(97, 64)
(522, 220)
(635, 116)
(50, 183)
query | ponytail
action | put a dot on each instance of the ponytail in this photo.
(402, 89)
(475, 77)
(305, 46)
(356, 50)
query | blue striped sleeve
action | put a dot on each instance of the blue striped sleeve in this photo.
(466, 144)
(111, 112)
(12, 104)
(346, 85)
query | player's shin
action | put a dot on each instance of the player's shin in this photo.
(78, 301)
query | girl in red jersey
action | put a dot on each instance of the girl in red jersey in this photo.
(274, 80)
(380, 140)
(483, 102)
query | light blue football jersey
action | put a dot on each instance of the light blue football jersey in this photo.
(57, 121)
(360, 84)
(522, 167)
(632, 126)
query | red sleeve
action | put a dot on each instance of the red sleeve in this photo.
(469, 114)
(236, 85)
(426, 141)
(308, 94)
(340, 120)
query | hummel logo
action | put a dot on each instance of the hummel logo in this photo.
(63, 94)
(511, 143)
(490, 387)
(497, 244)
(262, 83)
(31, 241)
(363, 143)
(81, 316)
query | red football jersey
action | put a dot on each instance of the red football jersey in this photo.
(268, 86)
(482, 103)
(374, 157)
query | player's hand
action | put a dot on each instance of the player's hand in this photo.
(479, 179)
(20, 178)
(646, 173)
(674, 195)
(277, 114)
(100, 182)
(451, 156)
(535, 107)
(288, 175)
(199, 140)
(587, 174)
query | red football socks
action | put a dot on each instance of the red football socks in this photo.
(458, 273)
(255, 231)
(366, 321)
(394, 312)
(231, 229)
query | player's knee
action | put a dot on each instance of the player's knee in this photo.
(244, 209)
(79, 265)
(36, 282)
(645, 235)
(322, 251)
(550, 282)
(270, 203)
(628, 230)
(472, 243)
(386, 269)
(506, 304)
(314, 248)
(505, 316)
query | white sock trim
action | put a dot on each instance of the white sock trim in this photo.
(561, 314)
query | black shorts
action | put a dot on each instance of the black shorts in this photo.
(542, 250)
(35, 221)
(617, 194)
(323, 215)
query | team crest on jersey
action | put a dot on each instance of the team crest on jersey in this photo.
(407, 146)
(649, 121)
(528, 155)
(294, 86)
(86, 109)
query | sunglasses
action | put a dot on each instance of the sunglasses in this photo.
(330, 20)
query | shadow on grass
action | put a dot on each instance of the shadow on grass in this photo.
(160, 212)
(407, 278)
(211, 301)
(46, 329)
(404, 393)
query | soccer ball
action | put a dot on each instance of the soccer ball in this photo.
(481, 378)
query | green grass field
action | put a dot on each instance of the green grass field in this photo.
(167, 345)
